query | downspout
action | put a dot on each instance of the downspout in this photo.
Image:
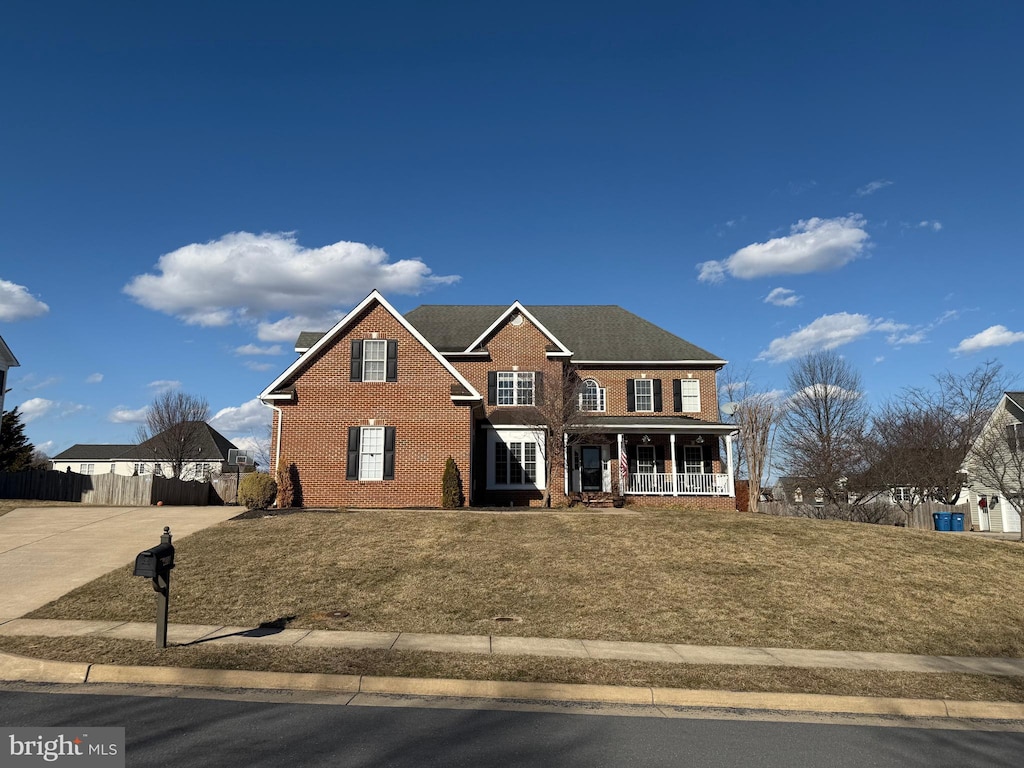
(728, 453)
(280, 425)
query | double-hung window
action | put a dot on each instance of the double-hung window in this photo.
(644, 394)
(688, 400)
(374, 360)
(592, 396)
(371, 453)
(86, 469)
(515, 387)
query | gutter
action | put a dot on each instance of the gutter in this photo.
(280, 425)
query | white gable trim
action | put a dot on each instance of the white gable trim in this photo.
(517, 307)
(7, 357)
(348, 320)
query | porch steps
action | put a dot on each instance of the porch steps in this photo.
(594, 499)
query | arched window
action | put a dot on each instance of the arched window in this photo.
(591, 396)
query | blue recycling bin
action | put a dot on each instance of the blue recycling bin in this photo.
(943, 521)
(957, 522)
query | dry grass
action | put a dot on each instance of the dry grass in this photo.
(687, 577)
(524, 668)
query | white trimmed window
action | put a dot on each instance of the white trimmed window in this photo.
(643, 394)
(693, 459)
(140, 468)
(645, 459)
(689, 389)
(86, 469)
(515, 387)
(371, 453)
(375, 357)
(515, 459)
(901, 493)
(592, 396)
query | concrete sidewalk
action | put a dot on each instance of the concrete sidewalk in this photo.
(672, 653)
(45, 552)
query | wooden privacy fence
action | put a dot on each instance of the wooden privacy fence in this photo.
(115, 490)
(883, 514)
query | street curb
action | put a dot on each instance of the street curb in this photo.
(24, 669)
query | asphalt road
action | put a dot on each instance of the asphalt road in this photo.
(174, 731)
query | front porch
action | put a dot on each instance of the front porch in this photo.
(650, 457)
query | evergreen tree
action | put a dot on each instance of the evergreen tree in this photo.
(15, 449)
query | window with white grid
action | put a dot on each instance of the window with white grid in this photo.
(690, 391)
(591, 396)
(643, 393)
(375, 357)
(371, 453)
(515, 387)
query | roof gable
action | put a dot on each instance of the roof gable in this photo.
(7, 358)
(272, 391)
(593, 333)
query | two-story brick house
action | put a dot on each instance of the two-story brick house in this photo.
(371, 409)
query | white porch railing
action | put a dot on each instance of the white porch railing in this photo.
(687, 484)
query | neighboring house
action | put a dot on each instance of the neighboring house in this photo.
(989, 510)
(209, 458)
(371, 409)
(7, 361)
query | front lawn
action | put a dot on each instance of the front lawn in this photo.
(672, 576)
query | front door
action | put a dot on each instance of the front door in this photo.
(590, 476)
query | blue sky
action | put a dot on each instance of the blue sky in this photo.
(183, 187)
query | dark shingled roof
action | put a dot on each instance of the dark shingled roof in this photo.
(213, 446)
(308, 338)
(591, 332)
(83, 451)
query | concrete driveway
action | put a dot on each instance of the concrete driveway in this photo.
(46, 552)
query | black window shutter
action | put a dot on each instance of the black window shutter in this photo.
(356, 373)
(630, 395)
(392, 372)
(538, 388)
(657, 395)
(677, 395)
(389, 453)
(659, 457)
(352, 465)
(492, 387)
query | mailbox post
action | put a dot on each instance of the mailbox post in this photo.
(156, 563)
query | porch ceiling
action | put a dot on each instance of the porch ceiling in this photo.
(652, 424)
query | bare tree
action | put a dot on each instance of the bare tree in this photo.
(755, 414)
(965, 402)
(174, 429)
(823, 424)
(558, 407)
(996, 462)
(920, 439)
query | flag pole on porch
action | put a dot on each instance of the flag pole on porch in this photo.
(623, 466)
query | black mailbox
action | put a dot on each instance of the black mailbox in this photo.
(155, 562)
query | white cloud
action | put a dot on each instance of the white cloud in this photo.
(873, 186)
(47, 447)
(35, 408)
(252, 365)
(164, 385)
(47, 382)
(255, 349)
(933, 225)
(995, 336)
(289, 328)
(813, 245)
(251, 417)
(94, 378)
(245, 278)
(16, 303)
(124, 415)
(827, 332)
(782, 297)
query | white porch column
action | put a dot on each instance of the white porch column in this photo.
(565, 462)
(728, 459)
(622, 490)
(675, 468)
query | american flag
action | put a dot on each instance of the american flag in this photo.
(623, 469)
